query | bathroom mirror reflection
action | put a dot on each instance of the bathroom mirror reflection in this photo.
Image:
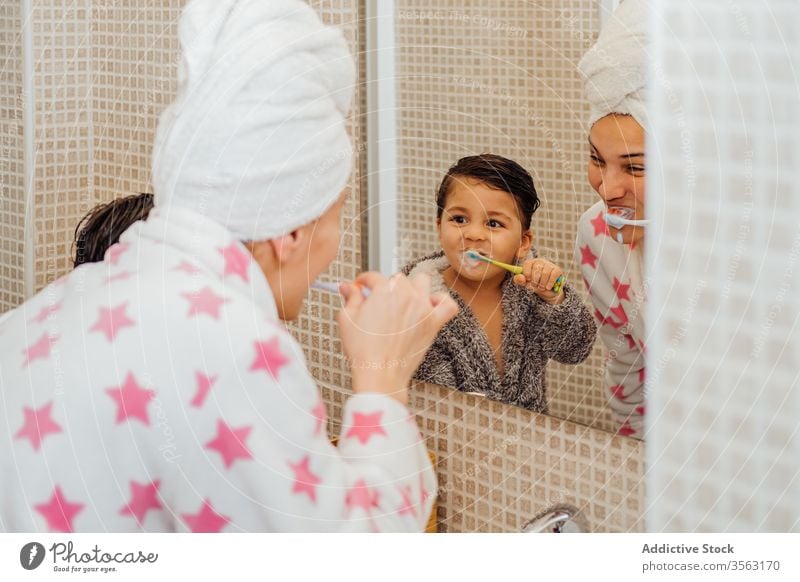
(482, 77)
(477, 79)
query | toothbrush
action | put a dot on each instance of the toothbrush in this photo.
(334, 287)
(618, 217)
(517, 270)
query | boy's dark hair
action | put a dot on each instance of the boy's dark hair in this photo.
(103, 225)
(499, 173)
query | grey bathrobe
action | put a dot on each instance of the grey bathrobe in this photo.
(533, 332)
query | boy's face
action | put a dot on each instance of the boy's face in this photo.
(480, 218)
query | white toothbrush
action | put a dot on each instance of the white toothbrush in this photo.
(619, 216)
(334, 287)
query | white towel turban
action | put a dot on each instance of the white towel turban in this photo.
(615, 68)
(256, 137)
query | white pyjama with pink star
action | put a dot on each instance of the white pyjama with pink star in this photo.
(158, 391)
(612, 272)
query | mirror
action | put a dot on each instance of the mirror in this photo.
(488, 77)
(502, 80)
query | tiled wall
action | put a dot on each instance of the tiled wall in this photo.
(63, 123)
(12, 172)
(500, 465)
(501, 77)
(725, 394)
(135, 55)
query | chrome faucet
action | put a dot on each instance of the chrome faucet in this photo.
(561, 518)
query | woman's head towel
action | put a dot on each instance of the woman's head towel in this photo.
(256, 138)
(615, 68)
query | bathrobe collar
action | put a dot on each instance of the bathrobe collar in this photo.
(210, 250)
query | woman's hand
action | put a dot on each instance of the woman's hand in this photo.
(540, 276)
(386, 335)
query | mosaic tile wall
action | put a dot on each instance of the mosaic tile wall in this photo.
(499, 465)
(63, 122)
(501, 78)
(135, 55)
(12, 171)
(725, 392)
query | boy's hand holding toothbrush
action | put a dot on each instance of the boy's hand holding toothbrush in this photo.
(540, 276)
(385, 336)
(544, 278)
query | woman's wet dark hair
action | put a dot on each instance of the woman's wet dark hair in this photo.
(496, 172)
(103, 225)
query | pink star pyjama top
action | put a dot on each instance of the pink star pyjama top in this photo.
(158, 391)
(612, 273)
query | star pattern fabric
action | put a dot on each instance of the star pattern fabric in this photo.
(45, 312)
(158, 391)
(268, 357)
(320, 415)
(361, 496)
(144, 498)
(38, 424)
(205, 302)
(111, 321)
(114, 253)
(187, 267)
(599, 225)
(365, 426)
(131, 400)
(620, 315)
(231, 443)
(588, 257)
(236, 262)
(305, 481)
(407, 507)
(59, 512)
(204, 384)
(123, 276)
(610, 273)
(206, 520)
(40, 349)
(621, 290)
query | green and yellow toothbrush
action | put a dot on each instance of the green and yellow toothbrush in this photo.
(516, 269)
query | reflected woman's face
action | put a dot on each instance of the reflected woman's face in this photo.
(481, 218)
(617, 168)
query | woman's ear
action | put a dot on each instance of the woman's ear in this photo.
(284, 248)
(525, 244)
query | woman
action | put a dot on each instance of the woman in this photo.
(611, 233)
(157, 390)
